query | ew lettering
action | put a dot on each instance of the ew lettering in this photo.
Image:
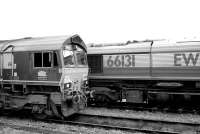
(189, 59)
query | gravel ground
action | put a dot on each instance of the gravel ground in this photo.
(144, 114)
(68, 129)
(8, 130)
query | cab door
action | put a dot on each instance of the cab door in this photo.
(7, 65)
(7, 69)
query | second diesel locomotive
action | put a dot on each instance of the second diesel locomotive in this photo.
(145, 72)
(47, 75)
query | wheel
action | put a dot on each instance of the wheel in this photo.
(38, 112)
(101, 99)
(40, 116)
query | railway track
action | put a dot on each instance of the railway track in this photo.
(131, 124)
(153, 108)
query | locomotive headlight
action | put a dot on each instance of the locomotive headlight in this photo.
(85, 83)
(67, 85)
(67, 82)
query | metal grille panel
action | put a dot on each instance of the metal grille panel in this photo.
(95, 63)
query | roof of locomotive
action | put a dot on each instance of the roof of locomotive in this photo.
(118, 48)
(144, 47)
(37, 43)
(1, 41)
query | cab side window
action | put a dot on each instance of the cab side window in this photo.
(55, 60)
(45, 59)
(37, 59)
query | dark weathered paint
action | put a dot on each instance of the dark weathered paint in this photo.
(26, 71)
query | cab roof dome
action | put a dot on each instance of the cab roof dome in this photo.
(36, 43)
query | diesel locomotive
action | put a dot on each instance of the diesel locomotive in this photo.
(46, 75)
(145, 72)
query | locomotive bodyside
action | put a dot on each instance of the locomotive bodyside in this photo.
(146, 71)
(177, 61)
(35, 76)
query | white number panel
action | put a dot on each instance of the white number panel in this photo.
(126, 61)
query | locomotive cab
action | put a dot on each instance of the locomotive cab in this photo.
(47, 75)
(74, 77)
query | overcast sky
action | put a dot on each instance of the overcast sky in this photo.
(100, 21)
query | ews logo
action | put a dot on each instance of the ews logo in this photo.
(186, 59)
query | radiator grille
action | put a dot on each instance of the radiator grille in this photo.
(95, 63)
